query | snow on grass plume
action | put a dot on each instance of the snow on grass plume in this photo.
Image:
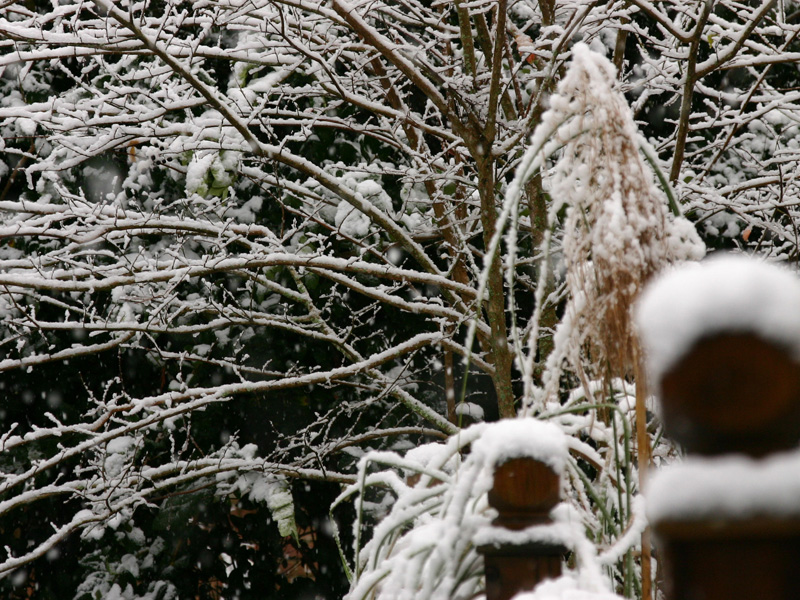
(618, 231)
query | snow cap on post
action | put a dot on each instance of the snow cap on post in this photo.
(522, 438)
(732, 293)
(723, 343)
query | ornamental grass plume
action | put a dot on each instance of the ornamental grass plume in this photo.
(618, 232)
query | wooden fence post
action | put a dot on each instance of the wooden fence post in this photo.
(525, 490)
(730, 393)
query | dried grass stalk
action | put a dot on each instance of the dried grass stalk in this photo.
(618, 232)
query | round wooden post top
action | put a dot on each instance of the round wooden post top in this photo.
(733, 393)
(524, 493)
(525, 490)
(722, 340)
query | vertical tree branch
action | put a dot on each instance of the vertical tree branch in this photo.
(467, 41)
(490, 132)
(495, 305)
(688, 93)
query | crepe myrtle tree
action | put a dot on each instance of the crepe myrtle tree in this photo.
(243, 242)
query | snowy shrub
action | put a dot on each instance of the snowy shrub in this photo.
(425, 548)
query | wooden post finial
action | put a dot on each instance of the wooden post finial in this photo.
(729, 387)
(525, 491)
(733, 393)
